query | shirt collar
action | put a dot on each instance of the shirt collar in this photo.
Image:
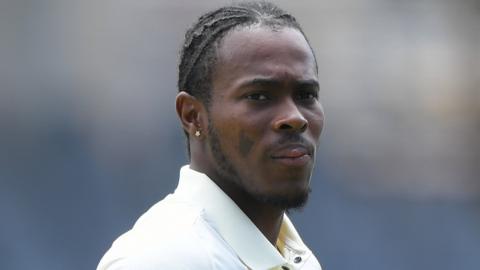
(234, 226)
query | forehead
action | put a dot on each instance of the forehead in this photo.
(262, 51)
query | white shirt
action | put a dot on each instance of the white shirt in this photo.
(200, 227)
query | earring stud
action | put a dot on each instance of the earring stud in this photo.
(197, 133)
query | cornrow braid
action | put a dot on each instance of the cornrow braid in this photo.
(198, 55)
(220, 22)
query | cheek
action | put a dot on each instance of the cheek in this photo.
(231, 136)
(316, 123)
(240, 132)
(245, 144)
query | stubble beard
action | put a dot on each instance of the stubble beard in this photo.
(228, 172)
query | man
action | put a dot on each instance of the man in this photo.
(248, 103)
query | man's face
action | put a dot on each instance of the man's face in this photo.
(265, 118)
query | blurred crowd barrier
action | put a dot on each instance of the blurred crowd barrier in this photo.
(89, 137)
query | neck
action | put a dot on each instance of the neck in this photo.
(266, 217)
(267, 220)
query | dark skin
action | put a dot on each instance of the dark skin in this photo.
(262, 128)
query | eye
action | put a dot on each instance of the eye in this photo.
(307, 95)
(257, 96)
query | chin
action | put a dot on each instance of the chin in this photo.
(292, 199)
(295, 178)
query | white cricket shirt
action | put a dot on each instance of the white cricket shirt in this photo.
(199, 227)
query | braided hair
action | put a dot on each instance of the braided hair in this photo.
(198, 55)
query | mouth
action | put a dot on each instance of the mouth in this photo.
(296, 155)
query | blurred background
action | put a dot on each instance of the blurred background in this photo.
(89, 137)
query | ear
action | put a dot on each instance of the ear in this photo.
(191, 112)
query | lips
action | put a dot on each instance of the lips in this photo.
(291, 152)
(293, 155)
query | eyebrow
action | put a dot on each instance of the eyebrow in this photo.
(268, 82)
(308, 83)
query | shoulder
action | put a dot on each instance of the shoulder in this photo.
(171, 255)
(169, 236)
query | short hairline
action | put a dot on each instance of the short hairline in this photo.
(217, 45)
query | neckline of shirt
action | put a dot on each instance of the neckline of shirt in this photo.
(233, 225)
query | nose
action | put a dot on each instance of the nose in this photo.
(290, 118)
